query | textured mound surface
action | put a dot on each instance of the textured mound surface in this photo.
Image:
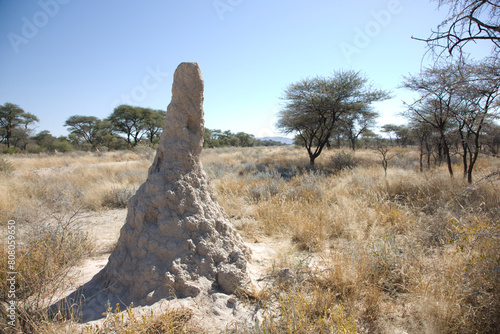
(176, 240)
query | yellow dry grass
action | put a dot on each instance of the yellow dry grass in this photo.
(415, 252)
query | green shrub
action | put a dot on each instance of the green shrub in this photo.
(62, 146)
(11, 150)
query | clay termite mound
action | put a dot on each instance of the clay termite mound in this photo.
(176, 241)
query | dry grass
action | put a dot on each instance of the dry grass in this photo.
(47, 248)
(173, 320)
(411, 251)
(415, 252)
(87, 182)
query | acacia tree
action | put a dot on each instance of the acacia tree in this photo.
(24, 128)
(245, 139)
(86, 127)
(153, 122)
(313, 107)
(12, 117)
(423, 134)
(354, 124)
(400, 132)
(467, 21)
(130, 121)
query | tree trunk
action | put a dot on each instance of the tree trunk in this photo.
(446, 150)
(385, 165)
(440, 153)
(429, 153)
(464, 159)
(472, 161)
(7, 136)
(311, 160)
(464, 149)
(421, 160)
(473, 156)
(448, 160)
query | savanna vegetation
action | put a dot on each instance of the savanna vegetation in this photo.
(377, 234)
(361, 251)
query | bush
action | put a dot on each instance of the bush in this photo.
(62, 146)
(342, 161)
(264, 185)
(118, 197)
(34, 148)
(6, 167)
(42, 262)
(11, 150)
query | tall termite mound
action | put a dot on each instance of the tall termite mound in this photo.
(176, 241)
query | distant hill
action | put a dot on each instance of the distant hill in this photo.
(284, 140)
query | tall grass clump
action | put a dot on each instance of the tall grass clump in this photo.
(46, 251)
(172, 321)
(118, 198)
(6, 166)
(307, 311)
(343, 160)
(295, 302)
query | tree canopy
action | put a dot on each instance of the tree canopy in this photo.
(136, 122)
(12, 118)
(86, 127)
(313, 107)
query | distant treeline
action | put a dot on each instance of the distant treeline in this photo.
(217, 138)
(125, 128)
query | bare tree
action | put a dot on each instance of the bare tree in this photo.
(491, 139)
(423, 133)
(384, 147)
(458, 100)
(480, 86)
(438, 99)
(467, 21)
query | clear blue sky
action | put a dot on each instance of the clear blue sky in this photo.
(73, 57)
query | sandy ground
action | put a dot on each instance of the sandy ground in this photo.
(217, 312)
